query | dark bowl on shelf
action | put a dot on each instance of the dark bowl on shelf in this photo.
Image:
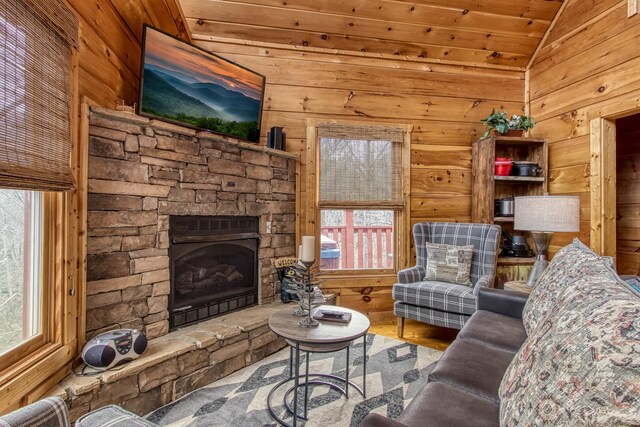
(525, 169)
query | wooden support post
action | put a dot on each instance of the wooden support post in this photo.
(349, 258)
(603, 186)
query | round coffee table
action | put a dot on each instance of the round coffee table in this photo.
(324, 338)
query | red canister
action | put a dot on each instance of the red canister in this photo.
(503, 166)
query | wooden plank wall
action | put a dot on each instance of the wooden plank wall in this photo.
(444, 103)
(587, 68)
(628, 195)
(110, 44)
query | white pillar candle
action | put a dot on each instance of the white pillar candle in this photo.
(308, 249)
(300, 252)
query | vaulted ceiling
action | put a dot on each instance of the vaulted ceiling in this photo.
(498, 32)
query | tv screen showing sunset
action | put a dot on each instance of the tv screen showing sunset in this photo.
(185, 84)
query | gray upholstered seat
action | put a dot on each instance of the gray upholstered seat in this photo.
(441, 303)
(441, 296)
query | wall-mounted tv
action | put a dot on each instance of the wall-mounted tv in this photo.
(187, 85)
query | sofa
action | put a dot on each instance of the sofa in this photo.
(568, 355)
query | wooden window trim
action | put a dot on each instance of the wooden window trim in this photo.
(633, 7)
(311, 226)
(20, 359)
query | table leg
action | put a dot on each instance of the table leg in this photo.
(346, 376)
(306, 388)
(296, 382)
(364, 369)
(290, 361)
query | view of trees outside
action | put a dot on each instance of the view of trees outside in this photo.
(12, 267)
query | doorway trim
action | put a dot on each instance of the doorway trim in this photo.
(603, 172)
(603, 186)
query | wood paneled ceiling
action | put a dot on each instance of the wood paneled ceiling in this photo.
(495, 32)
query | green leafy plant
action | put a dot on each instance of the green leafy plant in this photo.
(497, 120)
(521, 122)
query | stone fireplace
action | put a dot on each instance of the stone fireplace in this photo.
(214, 266)
(147, 180)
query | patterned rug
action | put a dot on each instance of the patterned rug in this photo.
(395, 372)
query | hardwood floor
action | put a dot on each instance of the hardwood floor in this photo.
(417, 333)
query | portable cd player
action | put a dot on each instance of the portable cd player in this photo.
(112, 348)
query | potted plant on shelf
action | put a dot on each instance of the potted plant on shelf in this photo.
(520, 124)
(498, 121)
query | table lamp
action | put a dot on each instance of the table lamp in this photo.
(542, 216)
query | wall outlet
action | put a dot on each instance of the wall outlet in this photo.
(268, 227)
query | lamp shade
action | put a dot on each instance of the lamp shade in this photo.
(547, 213)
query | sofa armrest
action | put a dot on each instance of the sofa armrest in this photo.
(377, 420)
(509, 303)
(411, 275)
(485, 281)
(51, 412)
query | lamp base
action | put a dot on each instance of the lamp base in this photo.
(541, 240)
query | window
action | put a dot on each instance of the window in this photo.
(37, 304)
(356, 239)
(361, 195)
(20, 267)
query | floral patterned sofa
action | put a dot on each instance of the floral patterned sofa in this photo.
(567, 356)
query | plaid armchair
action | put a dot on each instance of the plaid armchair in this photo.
(441, 303)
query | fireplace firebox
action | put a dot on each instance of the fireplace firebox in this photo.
(214, 266)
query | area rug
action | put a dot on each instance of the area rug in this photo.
(395, 372)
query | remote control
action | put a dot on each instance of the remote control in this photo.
(332, 313)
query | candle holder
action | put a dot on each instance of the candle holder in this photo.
(308, 293)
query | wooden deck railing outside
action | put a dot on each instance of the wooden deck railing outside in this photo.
(360, 246)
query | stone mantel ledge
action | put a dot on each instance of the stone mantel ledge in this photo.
(170, 127)
(246, 324)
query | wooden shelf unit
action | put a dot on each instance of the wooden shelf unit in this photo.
(486, 187)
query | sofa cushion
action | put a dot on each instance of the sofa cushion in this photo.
(567, 266)
(581, 364)
(437, 295)
(497, 330)
(474, 367)
(448, 263)
(440, 405)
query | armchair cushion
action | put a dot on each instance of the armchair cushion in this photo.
(449, 263)
(442, 296)
(112, 416)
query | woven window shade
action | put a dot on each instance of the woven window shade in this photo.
(360, 166)
(35, 134)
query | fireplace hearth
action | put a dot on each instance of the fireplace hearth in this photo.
(213, 266)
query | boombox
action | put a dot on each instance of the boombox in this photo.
(112, 348)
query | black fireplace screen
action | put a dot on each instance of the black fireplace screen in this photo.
(213, 267)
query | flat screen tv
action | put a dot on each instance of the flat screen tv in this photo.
(187, 85)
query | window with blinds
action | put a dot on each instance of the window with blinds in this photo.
(360, 166)
(36, 37)
(360, 192)
(36, 42)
